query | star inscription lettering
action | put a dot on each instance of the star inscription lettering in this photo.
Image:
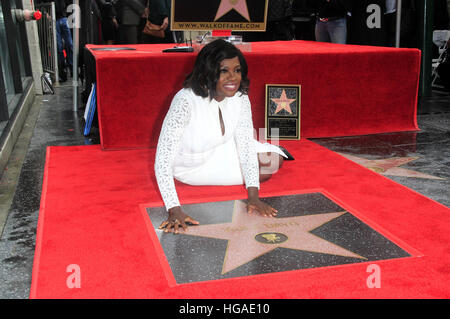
(242, 233)
(283, 103)
(227, 5)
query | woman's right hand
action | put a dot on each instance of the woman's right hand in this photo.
(177, 218)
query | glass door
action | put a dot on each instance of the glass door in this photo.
(6, 60)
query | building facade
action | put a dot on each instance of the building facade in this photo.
(17, 86)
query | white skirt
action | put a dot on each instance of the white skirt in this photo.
(222, 166)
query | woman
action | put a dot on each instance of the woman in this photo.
(159, 11)
(207, 135)
(109, 23)
(130, 13)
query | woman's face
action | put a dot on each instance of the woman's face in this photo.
(229, 79)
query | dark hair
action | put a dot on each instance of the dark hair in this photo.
(203, 78)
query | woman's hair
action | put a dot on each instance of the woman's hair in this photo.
(203, 78)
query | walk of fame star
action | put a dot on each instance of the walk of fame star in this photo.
(310, 231)
(250, 235)
(227, 5)
(283, 103)
(390, 166)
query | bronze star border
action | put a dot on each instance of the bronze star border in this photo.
(311, 230)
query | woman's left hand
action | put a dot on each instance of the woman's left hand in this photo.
(262, 208)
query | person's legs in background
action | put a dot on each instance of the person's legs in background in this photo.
(338, 30)
(321, 32)
(128, 34)
(68, 44)
(61, 59)
(391, 19)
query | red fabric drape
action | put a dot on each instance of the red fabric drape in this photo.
(346, 89)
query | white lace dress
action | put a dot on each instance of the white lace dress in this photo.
(192, 149)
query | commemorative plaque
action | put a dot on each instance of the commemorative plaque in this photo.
(283, 111)
(235, 15)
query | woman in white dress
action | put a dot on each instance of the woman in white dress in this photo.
(207, 135)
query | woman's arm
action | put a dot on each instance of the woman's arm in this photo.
(249, 161)
(168, 144)
(246, 146)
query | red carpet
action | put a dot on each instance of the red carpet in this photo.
(90, 216)
(346, 89)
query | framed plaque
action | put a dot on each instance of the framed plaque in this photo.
(283, 111)
(235, 15)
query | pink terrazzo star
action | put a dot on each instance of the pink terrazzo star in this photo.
(227, 5)
(390, 166)
(283, 103)
(245, 232)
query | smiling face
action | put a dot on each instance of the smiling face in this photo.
(229, 79)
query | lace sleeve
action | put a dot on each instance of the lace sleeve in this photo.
(168, 143)
(246, 146)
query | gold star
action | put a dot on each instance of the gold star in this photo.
(291, 232)
(227, 5)
(283, 103)
(390, 166)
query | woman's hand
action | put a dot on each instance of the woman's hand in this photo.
(177, 218)
(262, 208)
(165, 23)
(146, 13)
(255, 204)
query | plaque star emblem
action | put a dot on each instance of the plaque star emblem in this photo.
(283, 103)
(227, 5)
(390, 166)
(250, 236)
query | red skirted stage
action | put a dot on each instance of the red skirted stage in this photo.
(346, 89)
(91, 220)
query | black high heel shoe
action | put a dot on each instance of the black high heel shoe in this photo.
(289, 156)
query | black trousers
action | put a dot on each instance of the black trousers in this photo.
(128, 34)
